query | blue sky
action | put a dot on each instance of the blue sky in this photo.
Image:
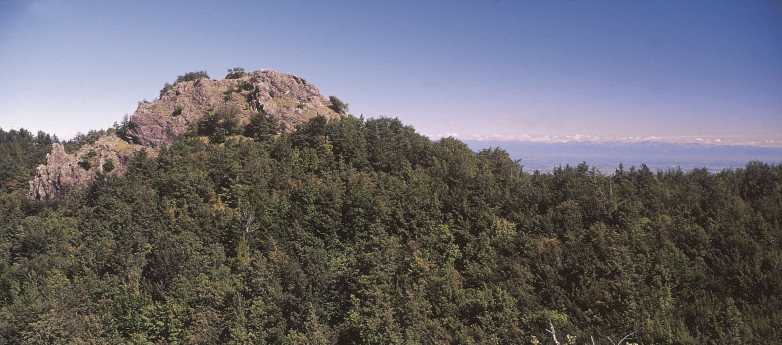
(675, 70)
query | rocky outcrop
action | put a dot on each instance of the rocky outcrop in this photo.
(285, 96)
(64, 173)
(60, 174)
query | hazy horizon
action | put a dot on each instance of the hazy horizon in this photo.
(483, 69)
(606, 156)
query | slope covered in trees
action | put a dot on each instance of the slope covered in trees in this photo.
(364, 232)
(20, 153)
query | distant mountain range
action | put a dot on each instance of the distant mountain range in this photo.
(606, 156)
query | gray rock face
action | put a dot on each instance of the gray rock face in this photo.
(60, 174)
(285, 96)
(64, 173)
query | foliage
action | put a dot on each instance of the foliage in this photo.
(189, 76)
(166, 88)
(337, 105)
(219, 125)
(235, 73)
(124, 128)
(86, 160)
(356, 231)
(261, 127)
(80, 139)
(108, 166)
(20, 153)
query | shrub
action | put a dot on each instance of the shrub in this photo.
(190, 76)
(123, 128)
(219, 136)
(108, 166)
(80, 140)
(219, 125)
(235, 73)
(337, 105)
(166, 88)
(228, 94)
(86, 160)
(261, 127)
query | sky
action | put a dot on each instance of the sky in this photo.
(707, 71)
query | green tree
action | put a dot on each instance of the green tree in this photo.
(261, 127)
(189, 76)
(235, 73)
(219, 125)
(337, 105)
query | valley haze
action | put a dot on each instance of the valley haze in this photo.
(607, 155)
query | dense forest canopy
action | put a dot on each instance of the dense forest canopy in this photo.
(356, 231)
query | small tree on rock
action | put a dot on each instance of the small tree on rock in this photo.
(337, 105)
(235, 73)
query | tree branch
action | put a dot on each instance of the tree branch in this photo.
(553, 333)
(627, 337)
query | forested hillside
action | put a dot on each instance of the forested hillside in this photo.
(20, 152)
(353, 231)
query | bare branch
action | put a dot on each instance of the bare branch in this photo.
(627, 337)
(248, 221)
(553, 333)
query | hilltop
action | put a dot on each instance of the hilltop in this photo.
(194, 104)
